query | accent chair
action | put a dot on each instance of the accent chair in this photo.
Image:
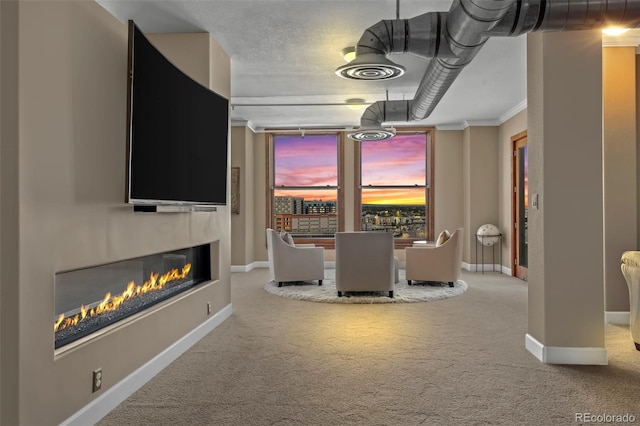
(289, 262)
(365, 262)
(437, 263)
(631, 270)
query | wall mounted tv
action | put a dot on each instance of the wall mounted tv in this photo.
(177, 133)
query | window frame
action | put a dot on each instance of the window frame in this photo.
(429, 185)
(326, 242)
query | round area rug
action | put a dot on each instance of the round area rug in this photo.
(403, 293)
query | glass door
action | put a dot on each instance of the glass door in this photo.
(520, 206)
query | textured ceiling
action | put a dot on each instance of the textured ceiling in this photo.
(284, 53)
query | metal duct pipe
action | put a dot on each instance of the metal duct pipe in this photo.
(567, 15)
(465, 31)
(381, 111)
(371, 121)
(468, 25)
(462, 31)
(420, 36)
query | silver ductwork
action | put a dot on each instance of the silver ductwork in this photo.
(465, 33)
(371, 121)
(462, 32)
(420, 36)
(567, 15)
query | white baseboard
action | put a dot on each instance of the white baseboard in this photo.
(617, 318)
(488, 267)
(265, 264)
(565, 355)
(242, 268)
(101, 406)
(250, 267)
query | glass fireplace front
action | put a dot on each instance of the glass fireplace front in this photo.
(89, 299)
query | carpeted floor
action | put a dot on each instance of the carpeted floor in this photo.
(458, 361)
(403, 293)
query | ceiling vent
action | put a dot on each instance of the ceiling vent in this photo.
(371, 66)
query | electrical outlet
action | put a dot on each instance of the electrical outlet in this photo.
(97, 379)
(208, 308)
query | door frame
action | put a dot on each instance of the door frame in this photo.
(516, 270)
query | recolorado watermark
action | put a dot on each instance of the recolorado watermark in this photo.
(604, 418)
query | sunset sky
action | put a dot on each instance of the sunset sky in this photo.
(313, 161)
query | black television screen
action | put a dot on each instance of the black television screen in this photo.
(177, 133)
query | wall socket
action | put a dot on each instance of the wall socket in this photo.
(208, 308)
(97, 379)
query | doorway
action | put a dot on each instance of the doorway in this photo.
(520, 205)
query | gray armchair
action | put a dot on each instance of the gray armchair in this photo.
(436, 263)
(365, 262)
(290, 263)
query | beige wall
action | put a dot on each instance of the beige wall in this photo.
(242, 224)
(511, 127)
(70, 157)
(9, 209)
(565, 238)
(448, 184)
(637, 151)
(620, 170)
(448, 181)
(480, 181)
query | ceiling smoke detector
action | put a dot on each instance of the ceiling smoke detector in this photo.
(370, 66)
(378, 134)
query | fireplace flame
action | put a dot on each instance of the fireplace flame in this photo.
(111, 303)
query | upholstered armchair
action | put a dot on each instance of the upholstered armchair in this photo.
(365, 262)
(631, 271)
(289, 262)
(439, 263)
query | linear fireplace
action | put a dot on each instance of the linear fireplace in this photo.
(89, 299)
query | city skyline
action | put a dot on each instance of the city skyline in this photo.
(313, 161)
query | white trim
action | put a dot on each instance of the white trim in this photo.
(242, 268)
(512, 112)
(244, 123)
(102, 405)
(617, 318)
(453, 126)
(488, 267)
(482, 123)
(250, 267)
(565, 355)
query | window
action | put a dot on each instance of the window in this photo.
(305, 185)
(394, 190)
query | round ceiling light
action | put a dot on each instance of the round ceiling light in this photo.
(355, 103)
(348, 53)
(378, 134)
(370, 67)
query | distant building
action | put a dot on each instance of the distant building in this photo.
(288, 205)
(319, 207)
(307, 224)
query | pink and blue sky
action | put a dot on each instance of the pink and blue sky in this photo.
(313, 161)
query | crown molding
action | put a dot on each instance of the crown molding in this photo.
(512, 112)
(244, 123)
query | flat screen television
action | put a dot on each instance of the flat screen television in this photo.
(177, 133)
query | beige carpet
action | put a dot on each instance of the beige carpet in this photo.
(402, 293)
(458, 361)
